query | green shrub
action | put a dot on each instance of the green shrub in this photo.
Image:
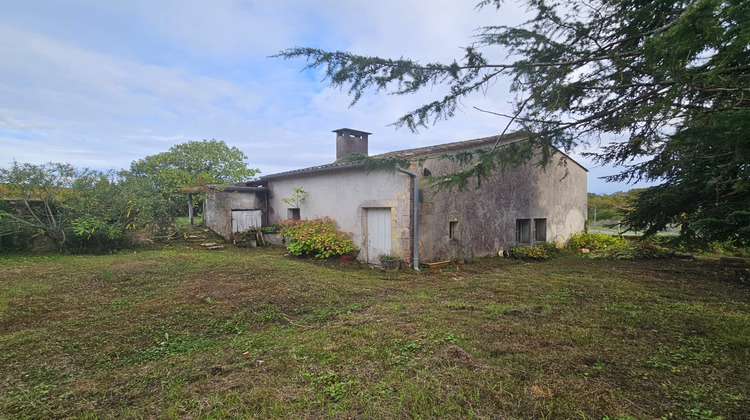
(534, 252)
(317, 238)
(594, 241)
(269, 229)
(608, 214)
(636, 250)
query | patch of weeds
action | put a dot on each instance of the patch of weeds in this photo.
(411, 348)
(185, 266)
(46, 374)
(321, 315)
(583, 337)
(564, 294)
(108, 275)
(498, 308)
(256, 343)
(406, 352)
(425, 344)
(12, 290)
(355, 307)
(31, 402)
(316, 354)
(693, 411)
(689, 352)
(167, 346)
(234, 326)
(688, 307)
(266, 312)
(596, 368)
(331, 384)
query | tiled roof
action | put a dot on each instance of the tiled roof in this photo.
(439, 149)
(330, 166)
(415, 153)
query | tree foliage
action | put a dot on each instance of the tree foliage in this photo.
(77, 208)
(104, 206)
(656, 76)
(611, 206)
(187, 168)
(32, 197)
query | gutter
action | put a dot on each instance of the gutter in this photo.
(415, 228)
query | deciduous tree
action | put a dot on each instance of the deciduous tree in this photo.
(187, 168)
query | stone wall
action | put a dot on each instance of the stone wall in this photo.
(484, 219)
(219, 205)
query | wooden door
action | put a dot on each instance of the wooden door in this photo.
(378, 233)
(243, 220)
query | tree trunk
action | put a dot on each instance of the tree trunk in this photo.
(190, 208)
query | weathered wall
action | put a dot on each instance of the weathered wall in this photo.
(217, 215)
(486, 217)
(343, 195)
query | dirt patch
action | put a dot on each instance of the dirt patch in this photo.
(451, 355)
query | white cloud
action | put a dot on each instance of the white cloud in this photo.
(100, 84)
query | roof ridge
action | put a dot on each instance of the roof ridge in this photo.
(417, 152)
(442, 147)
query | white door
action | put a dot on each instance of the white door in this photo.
(378, 233)
(243, 220)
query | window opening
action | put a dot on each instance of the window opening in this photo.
(540, 230)
(523, 230)
(293, 214)
(453, 230)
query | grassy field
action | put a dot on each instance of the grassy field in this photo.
(181, 333)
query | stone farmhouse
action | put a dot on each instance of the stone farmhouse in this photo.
(394, 212)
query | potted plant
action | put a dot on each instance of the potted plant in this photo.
(389, 262)
(351, 256)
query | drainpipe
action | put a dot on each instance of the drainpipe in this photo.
(415, 229)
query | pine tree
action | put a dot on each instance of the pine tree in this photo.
(669, 79)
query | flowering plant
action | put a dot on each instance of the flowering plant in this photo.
(318, 238)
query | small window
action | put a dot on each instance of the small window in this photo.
(540, 230)
(453, 230)
(523, 230)
(293, 214)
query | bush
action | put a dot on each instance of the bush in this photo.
(534, 252)
(608, 214)
(636, 250)
(594, 241)
(317, 238)
(269, 229)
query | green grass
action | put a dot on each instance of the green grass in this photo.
(182, 333)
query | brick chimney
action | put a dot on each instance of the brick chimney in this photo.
(350, 142)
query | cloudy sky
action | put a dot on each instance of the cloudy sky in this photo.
(102, 83)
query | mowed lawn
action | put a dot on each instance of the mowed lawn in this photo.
(250, 333)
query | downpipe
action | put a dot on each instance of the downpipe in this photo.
(415, 228)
